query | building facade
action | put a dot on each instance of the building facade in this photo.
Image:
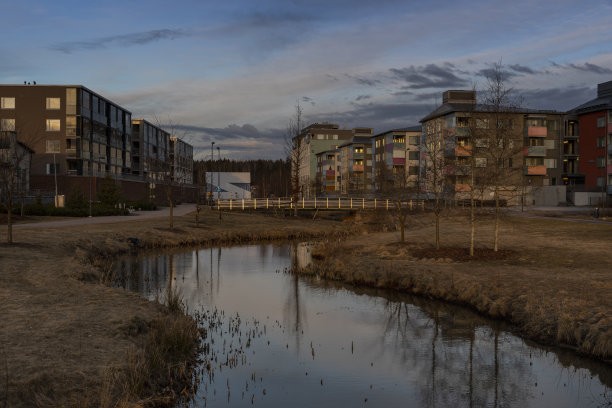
(356, 166)
(76, 132)
(593, 160)
(328, 172)
(314, 139)
(521, 148)
(396, 158)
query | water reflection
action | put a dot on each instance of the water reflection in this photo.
(324, 344)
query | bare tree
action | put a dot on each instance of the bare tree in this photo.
(295, 149)
(15, 157)
(435, 177)
(498, 139)
(171, 174)
(402, 190)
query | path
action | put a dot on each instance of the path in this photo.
(179, 210)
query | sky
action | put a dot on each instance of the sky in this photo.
(232, 72)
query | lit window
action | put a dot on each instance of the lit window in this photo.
(7, 124)
(7, 103)
(53, 103)
(53, 125)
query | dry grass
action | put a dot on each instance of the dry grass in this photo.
(554, 283)
(67, 338)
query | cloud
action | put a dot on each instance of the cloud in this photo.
(429, 76)
(362, 97)
(592, 68)
(308, 100)
(124, 40)
(521, 69)
(560, 99)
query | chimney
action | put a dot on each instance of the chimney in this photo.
(604, 90)
(459, 97)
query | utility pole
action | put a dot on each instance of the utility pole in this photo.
(211, 180)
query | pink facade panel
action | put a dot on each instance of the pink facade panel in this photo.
(330, 172)
(536, 131)
(398, 161)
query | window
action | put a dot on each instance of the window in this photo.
(601, 161)
(413, 170)
(413, 155)
(7, 103)
(7, 124)
(600, 181)
(320, 137)
(52, 168)
(481, 143)
(53, 125)
(535, 122)
(413, 140)
(510, 162)
(462, 122)
(482, 123)
(399, 139)
(601, 121)
(53, 146)
(601, 142)
(481, 162)
(53, 103)
(359, 150)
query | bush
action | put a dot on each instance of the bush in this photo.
(76, 198)
(109, 192)
(97, 210)
(142, 205)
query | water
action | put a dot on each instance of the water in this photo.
(288, 341)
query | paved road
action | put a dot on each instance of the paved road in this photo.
(179, 210)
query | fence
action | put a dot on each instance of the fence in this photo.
(317, 204)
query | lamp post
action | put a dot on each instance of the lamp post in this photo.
(210, 167)
(218, 175)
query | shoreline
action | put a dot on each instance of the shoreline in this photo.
(49, 273)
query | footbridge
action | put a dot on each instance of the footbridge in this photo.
(324, 203)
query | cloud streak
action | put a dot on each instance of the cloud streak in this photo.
(125, 40)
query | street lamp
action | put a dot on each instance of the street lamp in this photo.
(218, 175)
(210, 167)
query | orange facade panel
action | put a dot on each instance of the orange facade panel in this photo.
(463, 150)
(536, 131)
(462, 187)
(535, 171)
(358, 167)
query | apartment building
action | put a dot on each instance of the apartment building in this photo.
(328, 172)
(460, 130)
(356, 165)
(72, 130)
(79, 136)
(396, 157)
(590, 124)
(314, 139)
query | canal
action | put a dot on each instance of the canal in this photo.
(275, 340)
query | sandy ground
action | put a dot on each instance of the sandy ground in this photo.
(58, 333)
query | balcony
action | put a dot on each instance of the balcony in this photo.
(462, 151)
(72, 153)
(463, 170)
(610, 148)
(535, 170)
(398, 161)
(535, 151)
(536, 131)
(462, 187)
(462, 131)
(610, 189)
(358, 167)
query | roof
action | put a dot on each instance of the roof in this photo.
(358, 139)
(447, 108)
(417, 128)
(593, 105)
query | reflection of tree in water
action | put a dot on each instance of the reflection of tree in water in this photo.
(458, 362)
(293, 312)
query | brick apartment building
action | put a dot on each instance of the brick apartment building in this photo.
(78, 137)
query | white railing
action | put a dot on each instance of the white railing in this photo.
(325, 203)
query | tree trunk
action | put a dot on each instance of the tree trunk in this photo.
(437, 230)
(9, 217)
(496, 245)
(171, 215)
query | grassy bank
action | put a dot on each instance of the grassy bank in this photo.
(552, 281)
(66, 339)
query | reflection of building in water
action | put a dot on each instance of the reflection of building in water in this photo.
(303, 254)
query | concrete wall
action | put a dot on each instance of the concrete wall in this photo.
(549, 196)
(585, 198)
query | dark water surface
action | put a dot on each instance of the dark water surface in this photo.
(276, 340)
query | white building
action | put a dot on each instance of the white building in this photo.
(229, 185)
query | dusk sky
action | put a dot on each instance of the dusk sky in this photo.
(232, 71)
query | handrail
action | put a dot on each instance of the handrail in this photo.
(319, 203)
